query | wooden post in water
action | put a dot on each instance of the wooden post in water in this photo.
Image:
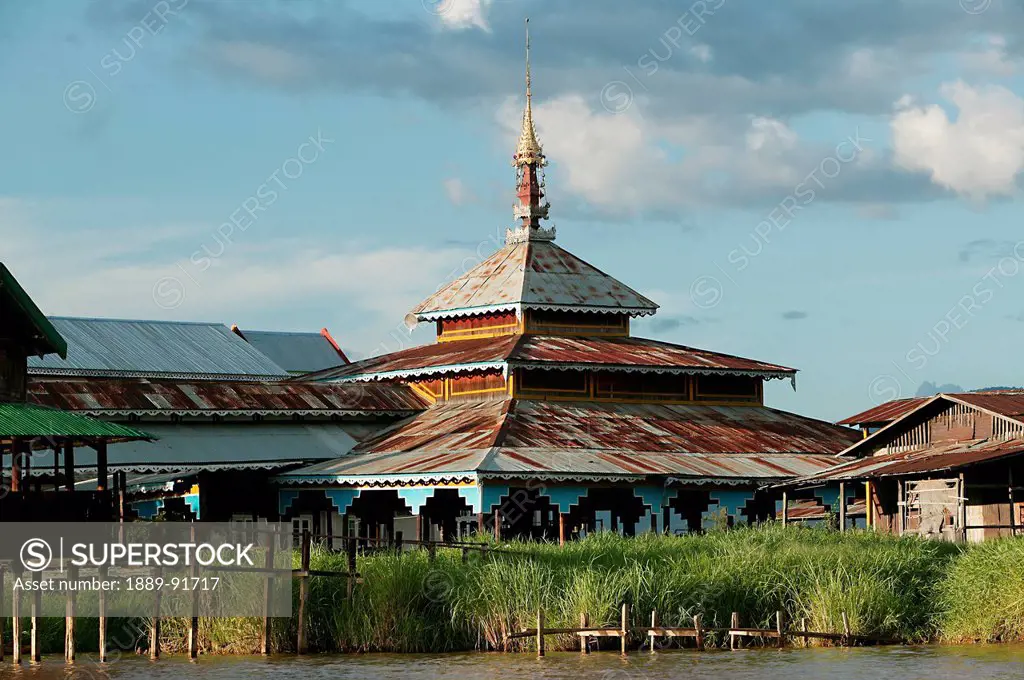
(734, 623)
(540, 632)
(268, 589)
(102, 595)
(654, 624)
(780, 628)
(34, 653)
(584, 640)
(16, 623)
(700, 631)
(302, 645)
(625, 627)
(803, 628)
(69, 616)
(2, 571)
(846, 629)
(154, 628)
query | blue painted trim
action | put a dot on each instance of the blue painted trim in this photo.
(490, 496)
(285, 498)
(733, 501)
(416, 498)
(148, 509)
(564, 497)
(473, 495)
(341, 499)
(192, 501)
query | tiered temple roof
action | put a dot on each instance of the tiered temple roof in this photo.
(535, 375)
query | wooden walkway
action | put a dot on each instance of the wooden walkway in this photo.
(736, 634)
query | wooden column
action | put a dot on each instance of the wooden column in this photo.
(584, 640)
(1013, 521)
(193, 628)
(268, 589)
(561, 528)
(540, 632)
(869, 506)
(497, 525)
(785, 508)
(480, 527)
(901, 518)
(69, 466)
(56, 468)
(302, 643)
(842, 506)
(962, 506)
(101, 466)
(16, 465)
(699, 629)
(3, 570)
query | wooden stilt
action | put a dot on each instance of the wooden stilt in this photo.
(699, 630)
(267, 591)
(734, 623)
(3, 570)
(497, 525)
(540, 632)
(584, 640)
(69, 615)
(35, 652)
(780, 628)
(803, 629)
(193, 628)
(846, 629)
(102, 595)
(154, 627)
(654, 624)
(625, 627)
(16, 624)
(785, 508)
(302, 645)
(561, 528)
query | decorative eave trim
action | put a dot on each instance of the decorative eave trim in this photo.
(506, 366)
(190, 468)
(382, 480)
(201, 413)
(429, 370)
(92, 373)
(564, 477)
(518, 308)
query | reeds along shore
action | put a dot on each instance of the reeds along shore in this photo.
(902, 588)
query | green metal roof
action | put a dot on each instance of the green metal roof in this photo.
(29, 420)
(48, 340)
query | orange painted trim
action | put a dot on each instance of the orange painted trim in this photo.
(327, 336)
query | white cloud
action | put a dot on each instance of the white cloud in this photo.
(979, 154)
(631, 164)
(991, 58)
(463, 14)
(703, 53)
(262, 61)
(114, 273)
(457, 191)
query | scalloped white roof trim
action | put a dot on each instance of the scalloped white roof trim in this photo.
(518, 308)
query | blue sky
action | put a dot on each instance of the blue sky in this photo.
(831, 186)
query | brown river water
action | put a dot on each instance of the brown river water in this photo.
(980, 662)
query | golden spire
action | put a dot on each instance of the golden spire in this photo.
(528, 150)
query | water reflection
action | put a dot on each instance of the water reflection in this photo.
(994, 662)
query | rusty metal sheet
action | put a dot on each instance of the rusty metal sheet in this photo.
(129, 396)
(542, 351)
(885, 413)
(568, 439)
(533, 275)
(1008, 403)
(935, 458)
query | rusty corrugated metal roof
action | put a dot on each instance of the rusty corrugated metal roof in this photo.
(884, 413)
(950, 456)
(140, 396)
(538, 351)
(523, 437)
(533, 275)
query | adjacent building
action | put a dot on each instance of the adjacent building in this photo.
(949, 467)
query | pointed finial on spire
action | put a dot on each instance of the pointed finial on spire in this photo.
(528, 150)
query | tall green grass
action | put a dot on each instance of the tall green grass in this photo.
(904, 588)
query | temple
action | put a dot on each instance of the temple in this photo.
(549, 419)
